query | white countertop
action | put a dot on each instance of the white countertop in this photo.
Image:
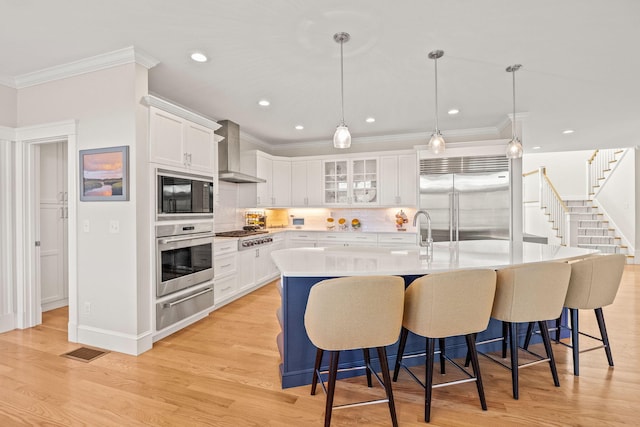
(360, 261)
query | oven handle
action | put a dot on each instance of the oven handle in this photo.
(186, 237)
(181, 300)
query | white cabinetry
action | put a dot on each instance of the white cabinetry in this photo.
(225, 261)
(398, 180)
(389, 240)
(306, 183)
(351, 182)
(301, 239)
(178, 142)
(347, 239)
(276, 192)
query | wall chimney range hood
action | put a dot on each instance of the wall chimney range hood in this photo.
(229, 155)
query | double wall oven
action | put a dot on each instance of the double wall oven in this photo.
(184, 247)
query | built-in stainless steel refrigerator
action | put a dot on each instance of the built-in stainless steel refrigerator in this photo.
(467, 198)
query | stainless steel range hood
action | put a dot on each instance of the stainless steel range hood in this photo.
(229, 155)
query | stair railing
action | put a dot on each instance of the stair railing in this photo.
(551, 202)
(597, 166)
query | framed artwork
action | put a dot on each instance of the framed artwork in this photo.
(104, 174)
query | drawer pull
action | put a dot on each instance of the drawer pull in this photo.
(226, 289)
(225, 266)
(181, 300)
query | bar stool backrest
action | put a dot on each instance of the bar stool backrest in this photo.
(595, 281)
(355, 312)
(441, 305)
(531, 292)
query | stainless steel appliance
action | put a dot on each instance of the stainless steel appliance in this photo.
(248, 238)
(182, 195)
(467, 198)
(179, 308)
(184, 256)
(229, 155)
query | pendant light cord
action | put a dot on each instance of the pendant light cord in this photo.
(342, 80)
(513, 119)
(436, 69)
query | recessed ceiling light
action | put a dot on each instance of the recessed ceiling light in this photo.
(453, 111)
(264, 103)
(299, 127)
(199, 57)
(568, 131)
(370, 119)
(537, 147)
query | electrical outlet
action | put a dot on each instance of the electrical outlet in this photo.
(114, 226)
(87, 307)
(86, 226)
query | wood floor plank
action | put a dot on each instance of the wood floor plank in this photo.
(223, 371)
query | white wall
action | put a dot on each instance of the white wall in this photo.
(106, 106)
(8, 99)
(566, 170)
(616, 197)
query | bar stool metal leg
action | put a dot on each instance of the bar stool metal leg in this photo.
(472, 353)
(575, 340)
(316, 368)
(441, 347)
(544, 331)
(430, 349)
(403, 341)
(513, 343)
(333, 372)
(603, 334)
(386, 379)
(367, 363)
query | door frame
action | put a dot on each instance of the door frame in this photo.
(28, 260)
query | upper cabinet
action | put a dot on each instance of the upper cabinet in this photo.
(306, 183)
(398, 180)
(276, 191)
(351, 182)
(181, 138)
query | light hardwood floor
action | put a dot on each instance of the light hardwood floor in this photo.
(223, 371)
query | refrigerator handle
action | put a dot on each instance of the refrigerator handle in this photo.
(457, 210)
(451, 210)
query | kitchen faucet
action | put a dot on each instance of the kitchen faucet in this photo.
(429, 241)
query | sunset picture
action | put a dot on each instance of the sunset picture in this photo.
(104, 174)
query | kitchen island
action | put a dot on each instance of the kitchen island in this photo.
(301, 268)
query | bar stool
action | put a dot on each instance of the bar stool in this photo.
(529, 293)
(594, 284)
(443, 305)
(350, 313)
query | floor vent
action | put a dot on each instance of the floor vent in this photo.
(85, 354)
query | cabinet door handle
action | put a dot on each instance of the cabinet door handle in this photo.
(61, 212)
(60, 196)
(257, 253)
(189, 159)
(185, 158)
(66, 196)
(66, 212)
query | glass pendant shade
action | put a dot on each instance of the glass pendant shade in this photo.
(342, 137)
(514, 149)
(436, 143)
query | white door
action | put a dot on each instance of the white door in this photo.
(53, 226)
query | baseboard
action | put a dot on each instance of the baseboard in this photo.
(55, 304)
(7, 322)
(115, 341)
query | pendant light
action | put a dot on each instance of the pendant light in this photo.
(514, 147)
(436, 143)
(342, 137)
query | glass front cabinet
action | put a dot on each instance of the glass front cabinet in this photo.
(351, 182)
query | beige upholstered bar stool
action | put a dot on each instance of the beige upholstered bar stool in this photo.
(529, 293)
(351, 313)
(594, 284)
(443, 305)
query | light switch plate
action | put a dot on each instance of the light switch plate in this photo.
(86, 227)
(114, 226)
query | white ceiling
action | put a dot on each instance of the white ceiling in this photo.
(581, 67)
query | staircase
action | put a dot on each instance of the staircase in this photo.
(593, 231)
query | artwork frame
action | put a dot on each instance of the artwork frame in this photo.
(104, 174)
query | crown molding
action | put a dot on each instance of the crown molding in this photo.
(8, 81)
(487, 133)
(95, 63)
(178, 110)
(7, 134)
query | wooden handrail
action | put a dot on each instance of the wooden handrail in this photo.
(593, 156)
(531, 172)
(564, 207)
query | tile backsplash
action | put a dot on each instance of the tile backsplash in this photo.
(228, 216)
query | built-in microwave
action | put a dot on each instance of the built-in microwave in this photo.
(182, 195)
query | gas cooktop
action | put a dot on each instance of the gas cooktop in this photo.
(241, 233)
